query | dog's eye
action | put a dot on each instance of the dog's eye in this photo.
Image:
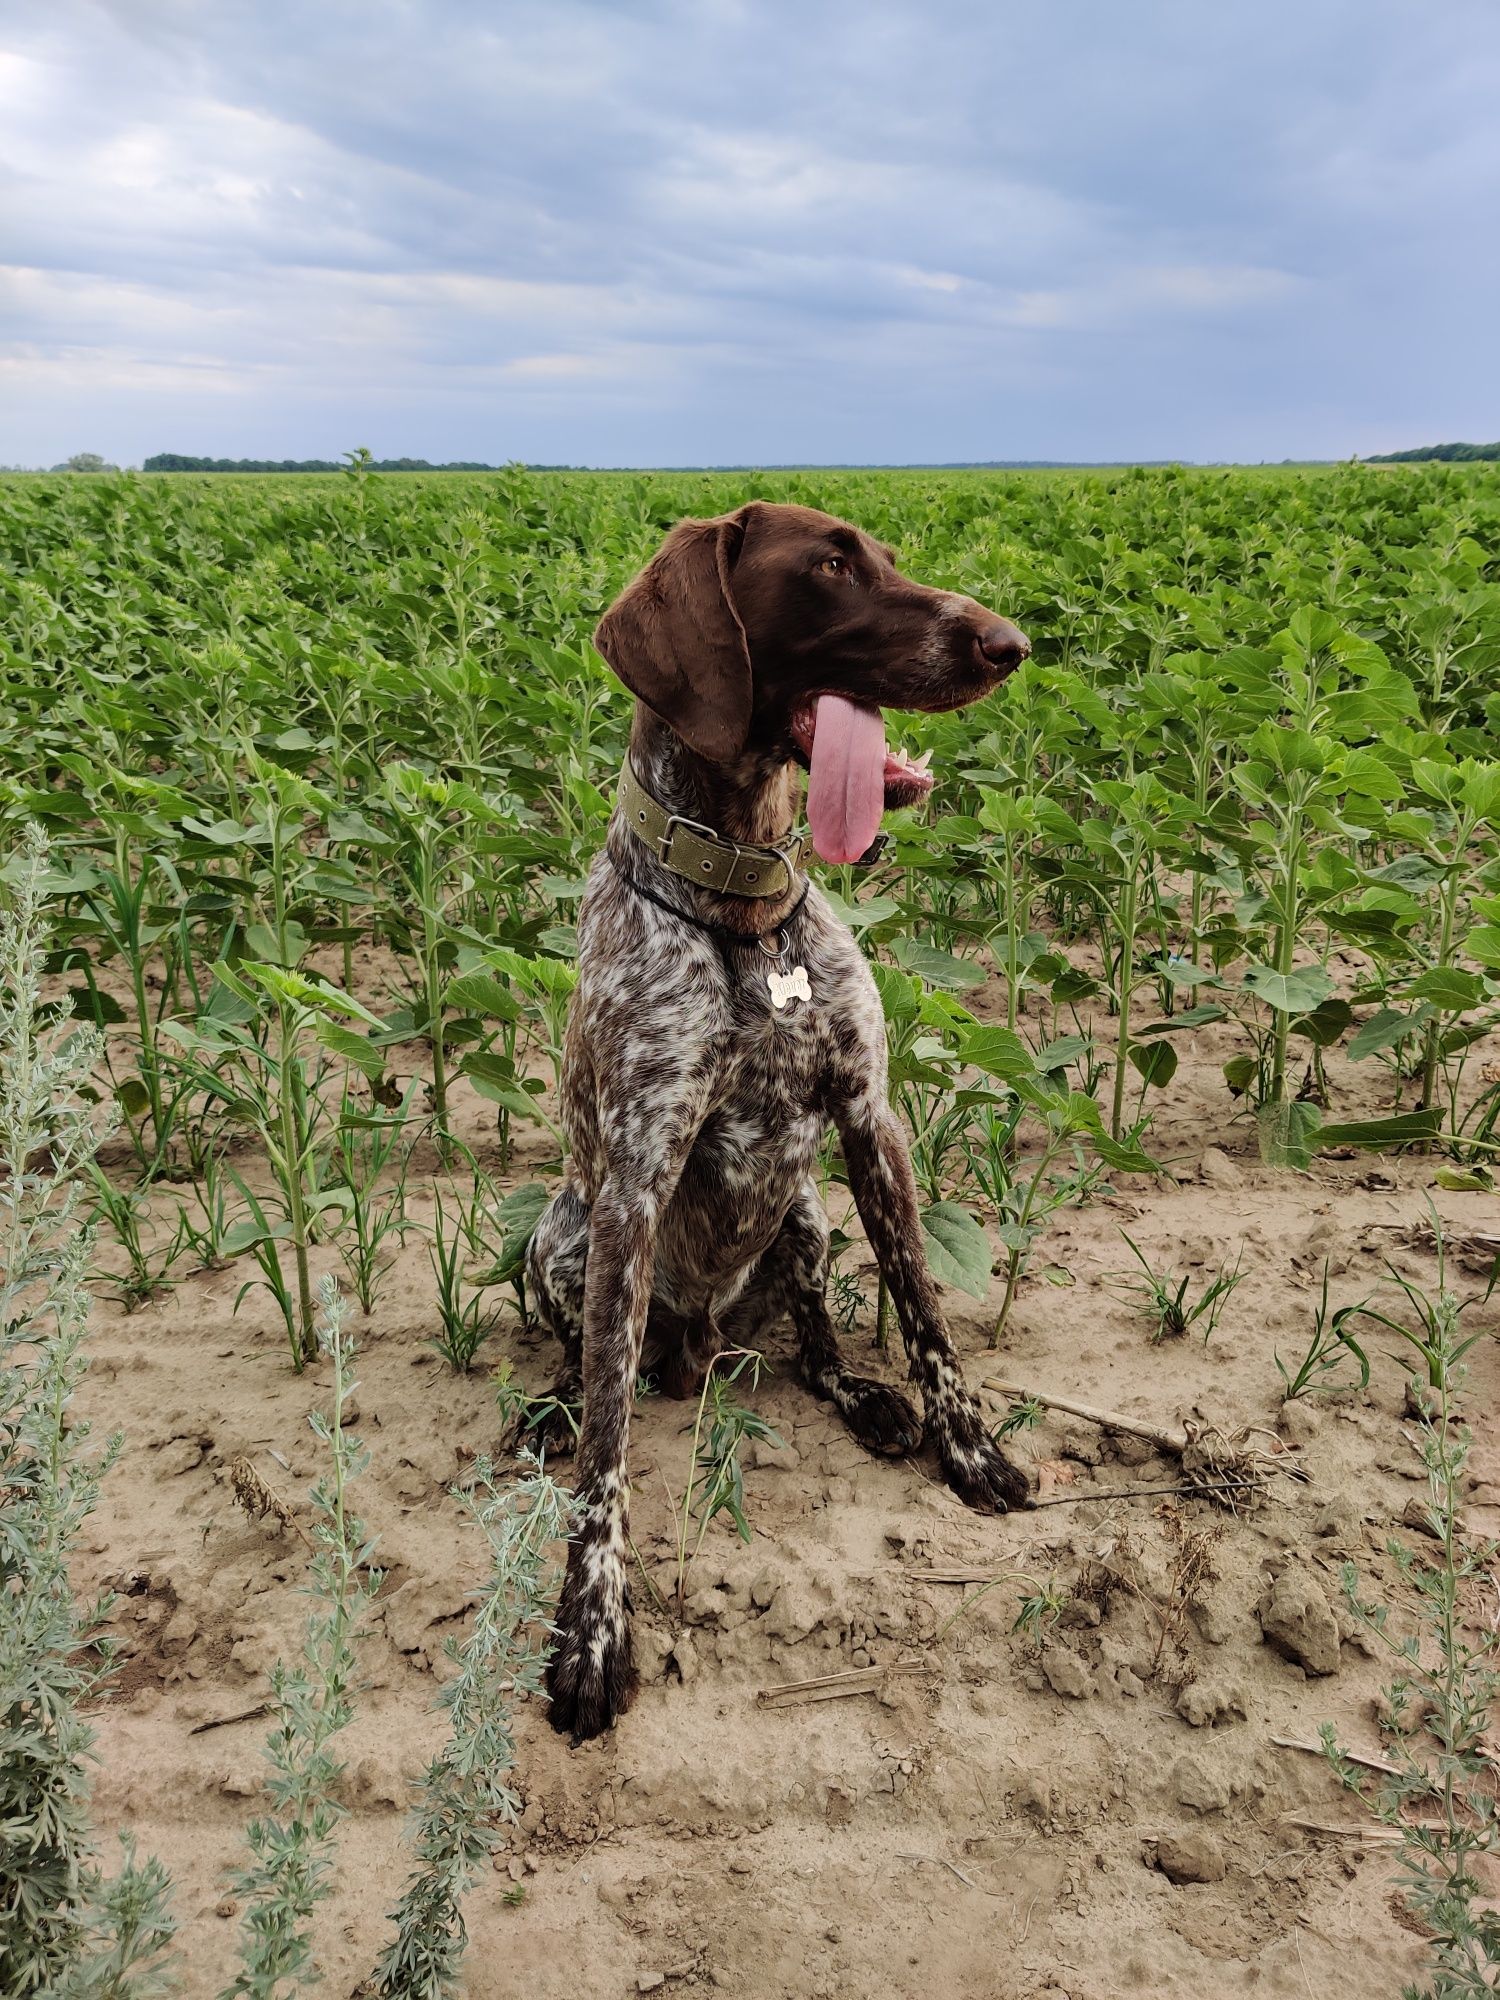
(834, 565)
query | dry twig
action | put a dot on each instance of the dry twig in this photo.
(223, 1721)
(1197, 1488)
(831, 1687)
(1349, 1756)
(1369, 1836)
(959, 1574)
(941, 1861)
(1165, 1439)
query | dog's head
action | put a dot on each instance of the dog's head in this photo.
(780, 630)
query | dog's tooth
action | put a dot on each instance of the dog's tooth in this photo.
(923, 762)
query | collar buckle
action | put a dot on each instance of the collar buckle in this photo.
(663, 841)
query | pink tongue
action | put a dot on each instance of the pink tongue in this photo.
(846, 786)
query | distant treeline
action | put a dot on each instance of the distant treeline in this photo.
(1460, 451)
(176, 461)
(898, 465)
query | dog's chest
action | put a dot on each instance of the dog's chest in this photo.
(760, 1138)
(783, 1025)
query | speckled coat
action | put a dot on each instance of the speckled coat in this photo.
(690, 1219)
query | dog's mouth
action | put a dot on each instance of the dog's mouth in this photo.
(853, 775)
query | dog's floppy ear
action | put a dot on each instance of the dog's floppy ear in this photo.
(675, 639)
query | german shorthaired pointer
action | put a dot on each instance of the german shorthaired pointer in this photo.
(724, 1019)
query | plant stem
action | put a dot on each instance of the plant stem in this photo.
(685, 1522)
(1286, 948)
(432, 979)
(1127, 985)
(1452, 886)
(1023, 1219)
(305, 1341)
(133, 897)
(1012, 940)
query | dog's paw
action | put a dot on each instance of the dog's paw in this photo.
(878, 1416)
(976, 1468)
(591, 1677)
(550, 1429)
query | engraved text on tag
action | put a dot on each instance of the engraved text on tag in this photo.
(789, 986)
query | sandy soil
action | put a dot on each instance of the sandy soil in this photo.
(991, 1820)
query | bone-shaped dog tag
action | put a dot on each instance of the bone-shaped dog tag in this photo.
(787, 987)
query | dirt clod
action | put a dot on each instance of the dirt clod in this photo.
(1209, 1703)
(1190, 1856)
(1300, 1422)
(1216, 1169)
(1295, 1618)
(1066, 1673)
(1196, 1786)
(685, 1654)
(765, 1456)
(411, 1611)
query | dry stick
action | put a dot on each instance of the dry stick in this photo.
(1136, 1492)
(1349, 1756)
(941, 1861)
(1164, 1438)
(223, 1723)
(830, 1687)
(1374, 1836)
(958, 1575)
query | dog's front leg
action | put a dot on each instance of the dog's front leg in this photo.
(885, 1191)
(591, 1677)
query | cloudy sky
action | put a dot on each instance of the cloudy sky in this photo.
(719, 231)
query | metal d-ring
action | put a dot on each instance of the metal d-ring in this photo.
(786, 861)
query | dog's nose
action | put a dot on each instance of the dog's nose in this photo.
(1004, 644)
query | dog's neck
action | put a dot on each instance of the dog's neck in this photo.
(752, 800)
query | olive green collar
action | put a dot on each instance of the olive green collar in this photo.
(698, 854)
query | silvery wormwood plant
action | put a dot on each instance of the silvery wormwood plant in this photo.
(466, 1792)
(65, 1929)
(291, 1847)
(1438, 1791)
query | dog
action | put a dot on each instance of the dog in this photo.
(724, 1019)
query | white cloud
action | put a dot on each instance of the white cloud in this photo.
(561, 367)
(929, 281)
(1127, 296)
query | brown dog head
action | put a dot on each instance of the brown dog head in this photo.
(779, 629)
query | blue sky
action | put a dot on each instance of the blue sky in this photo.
(719, 231)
